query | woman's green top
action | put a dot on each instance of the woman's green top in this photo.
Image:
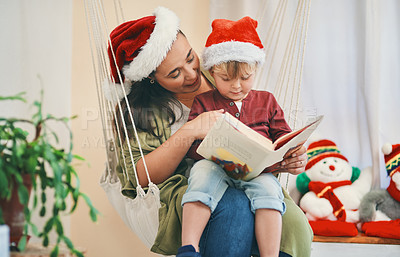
(296, 232)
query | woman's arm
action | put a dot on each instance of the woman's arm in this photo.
(162, 162)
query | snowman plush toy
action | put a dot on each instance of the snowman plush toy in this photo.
(332, 190)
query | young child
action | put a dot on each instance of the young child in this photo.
(233, 52)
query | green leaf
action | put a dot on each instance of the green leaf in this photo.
(45, 241)
(42, 211)
(78, 253)
(93, 211)
(34, 200)
(43, 197)
(22, 243)
(49, 225)
(23, 195)
(18, 97)
(54, 252)
(78, 157)
(3, 181)
(59, 227)
(68, 242)
(17, 176)
(31, 163)
(93, 214)
(63, 206)
(34, 228)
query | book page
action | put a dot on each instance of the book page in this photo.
(286, 138)
(247, 131)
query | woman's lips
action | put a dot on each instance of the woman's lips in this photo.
(195, 82)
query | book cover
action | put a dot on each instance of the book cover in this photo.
(243, 152)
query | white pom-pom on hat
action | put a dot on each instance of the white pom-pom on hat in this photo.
(387, 149)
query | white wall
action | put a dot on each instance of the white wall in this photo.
(35, 53)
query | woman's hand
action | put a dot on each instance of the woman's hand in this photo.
(294, 162)
(203, 123)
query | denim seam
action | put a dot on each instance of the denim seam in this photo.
(202, 197)
(273, 203)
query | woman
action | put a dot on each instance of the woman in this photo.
(163, 72)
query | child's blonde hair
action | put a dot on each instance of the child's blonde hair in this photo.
(234, 69)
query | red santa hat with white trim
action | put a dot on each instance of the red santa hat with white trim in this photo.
(392, 163)
(233, 41)
(137, 48)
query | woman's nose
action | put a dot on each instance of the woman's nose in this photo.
(190, 73)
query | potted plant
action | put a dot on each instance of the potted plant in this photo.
(34, 160)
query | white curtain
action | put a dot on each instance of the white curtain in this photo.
(35, 54)
(351, 72)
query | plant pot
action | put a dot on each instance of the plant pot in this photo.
(13, 212)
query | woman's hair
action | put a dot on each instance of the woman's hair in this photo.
(145, 100)
(233, 69)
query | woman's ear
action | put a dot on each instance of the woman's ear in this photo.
(152, 76)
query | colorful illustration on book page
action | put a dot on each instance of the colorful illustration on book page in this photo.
(231, 164)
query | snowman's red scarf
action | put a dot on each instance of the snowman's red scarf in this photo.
(325, 190)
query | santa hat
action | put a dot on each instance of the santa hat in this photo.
(138, 47)
(322, 149)
(392, 162)
(233, 41)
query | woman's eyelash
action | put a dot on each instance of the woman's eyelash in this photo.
(177, 75)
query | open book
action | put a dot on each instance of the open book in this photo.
(243, 152)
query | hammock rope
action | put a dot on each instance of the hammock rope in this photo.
(141, 213)
(98, 21)
(287, 88)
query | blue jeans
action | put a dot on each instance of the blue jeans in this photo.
(208, 182)
(230, 230)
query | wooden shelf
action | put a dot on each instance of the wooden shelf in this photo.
(361, 238)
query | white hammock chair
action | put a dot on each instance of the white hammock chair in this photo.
(141, 214)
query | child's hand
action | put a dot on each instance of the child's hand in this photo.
(203, 123)
(294, 162)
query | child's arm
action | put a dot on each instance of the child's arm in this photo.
(295, 159)
(277, 123)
